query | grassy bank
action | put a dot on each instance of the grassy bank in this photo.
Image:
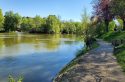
(113, 36)
(119, 52)
(75, 60)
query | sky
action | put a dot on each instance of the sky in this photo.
(66, 9)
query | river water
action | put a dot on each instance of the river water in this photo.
(36, 57)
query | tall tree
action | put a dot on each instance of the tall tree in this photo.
(1, 20)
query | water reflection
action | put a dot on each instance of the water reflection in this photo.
(37, 57)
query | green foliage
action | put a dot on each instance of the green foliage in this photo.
(117, 7)
(1, 20)
(69, 27)
(26, 24)
(113, 35)
(78, 28)
(88, 30)
(37, 21)
(100, 29)
(12, 21)
(111, 25)
(85, 27)
(85, 23)
(121, 24)
(53, 24)
(32, 24)
(11, 79)
(37, 24)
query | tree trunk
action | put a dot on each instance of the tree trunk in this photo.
(106, 14)
(107, 24)
(123, 24)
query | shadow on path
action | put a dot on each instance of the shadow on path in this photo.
(98, 65)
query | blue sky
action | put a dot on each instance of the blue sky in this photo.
(67, 9)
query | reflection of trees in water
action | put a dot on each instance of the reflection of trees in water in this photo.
(47, 41)
(69, 42)
(51, 42)
(1, 42)
(69, 36)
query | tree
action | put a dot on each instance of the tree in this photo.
(17, 21)
(25, 25)
(12, 21)
(1, 20)
(102, 10)
(37, 21)
(87, 29)
(53, 24)
(69, 27)
(78, 27)
(117, 9)
(85, 22)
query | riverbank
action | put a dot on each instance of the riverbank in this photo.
(80, 53)
(98, 65)
(75, 61)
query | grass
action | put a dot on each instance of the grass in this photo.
(75, 60)
(113, 35)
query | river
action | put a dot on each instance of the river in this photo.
(36, 57)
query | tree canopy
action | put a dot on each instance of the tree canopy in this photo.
(12, 21)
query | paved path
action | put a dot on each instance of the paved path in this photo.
(99, 65)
